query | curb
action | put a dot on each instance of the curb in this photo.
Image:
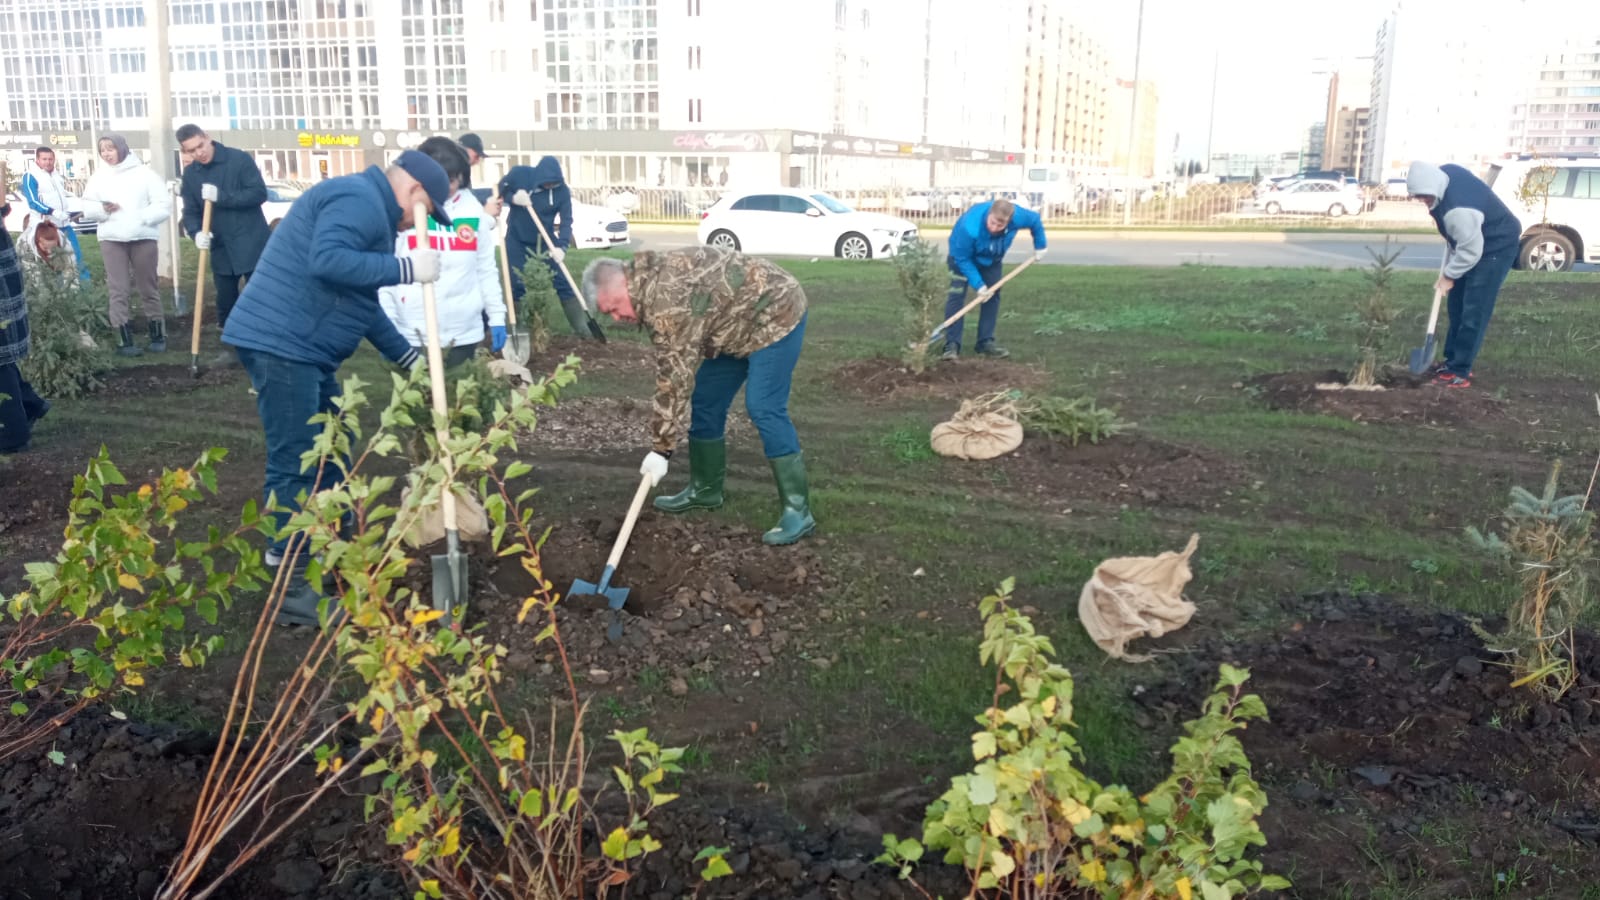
(1374, 236)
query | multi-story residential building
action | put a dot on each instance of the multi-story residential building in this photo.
(1559, 113)
(1444, 83)
(1345, 149)
(625, 92)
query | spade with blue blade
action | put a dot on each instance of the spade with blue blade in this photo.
(615, 596)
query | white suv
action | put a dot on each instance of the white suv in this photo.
(1566, 229)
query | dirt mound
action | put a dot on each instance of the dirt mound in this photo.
(1405, 398)
(1125, 469)
(615, 354)
(606, 424)
(884, 378)
(1397, 730)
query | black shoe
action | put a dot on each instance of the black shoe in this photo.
(992, 350)
(44, 409)
(952, 353)
(158, 336)
(300, 607)
(125, 344)
(7, 451)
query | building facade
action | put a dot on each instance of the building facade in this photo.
(645, 93)
(1560, 112)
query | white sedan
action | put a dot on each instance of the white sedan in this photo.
(1316, 196)
(801, 223)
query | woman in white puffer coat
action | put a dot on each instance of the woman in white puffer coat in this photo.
(467, 294)
(129, 200)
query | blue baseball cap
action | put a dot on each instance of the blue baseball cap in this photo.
(432, 178)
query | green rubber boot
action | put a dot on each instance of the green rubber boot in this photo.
(796, 521)
(708, 466)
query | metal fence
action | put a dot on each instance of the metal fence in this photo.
(1222, 206)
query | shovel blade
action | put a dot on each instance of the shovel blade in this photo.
(449, 584)
(615, 596)
(594, 329)
(1422, 357)
(517, 347)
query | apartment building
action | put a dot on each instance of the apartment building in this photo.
(625, 92)
(1560, 112)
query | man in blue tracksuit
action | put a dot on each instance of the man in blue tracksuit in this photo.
(541, 191)
(1483, 236)
(978, 244)
(45, 192)
(312, 300)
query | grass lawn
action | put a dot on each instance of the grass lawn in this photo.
(873, 693)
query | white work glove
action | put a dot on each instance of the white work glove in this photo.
(521, 198)
(208, 192)
(202, 240)
(654, 465)
(59, 220)
(421, 267)
(1039, 253)
(557, 254)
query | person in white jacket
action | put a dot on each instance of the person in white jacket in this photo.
(129, 200)
(468, 290)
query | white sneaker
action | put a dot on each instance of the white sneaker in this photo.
(273, 558)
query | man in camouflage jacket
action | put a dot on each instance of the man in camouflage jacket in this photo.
(718, 320)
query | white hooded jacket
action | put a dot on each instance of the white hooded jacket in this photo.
(469, 279)
(142, 197)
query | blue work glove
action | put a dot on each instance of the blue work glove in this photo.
(497, 337)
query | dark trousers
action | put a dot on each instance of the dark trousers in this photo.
(1471, 304)
(988, 311)
(766, 375)
(288, 394)
(228, 289)
(19, 406)
(518, 252)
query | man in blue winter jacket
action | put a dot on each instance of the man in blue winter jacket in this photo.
(978, 244)
(312, 300)
(541, 191)
(1483, 237)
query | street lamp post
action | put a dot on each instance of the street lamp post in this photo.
(1133, 120)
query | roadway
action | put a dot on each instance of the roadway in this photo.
(1245, 249)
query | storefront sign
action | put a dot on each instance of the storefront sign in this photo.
(748, 141)
(63, 140)
(31, 139)
(307, 139)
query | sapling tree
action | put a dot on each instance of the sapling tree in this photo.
(1026, 822)
(1546, 543)
(923, 279)
(539, 300)
(1375, 312)
(64, 315)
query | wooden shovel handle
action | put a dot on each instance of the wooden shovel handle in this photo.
(560, 264)
(505, 267)
(995, 288)
(200, 285)
(430, 312)
(627, 523)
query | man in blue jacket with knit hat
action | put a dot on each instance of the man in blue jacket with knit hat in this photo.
(1483, 236)
(978, 245)
(542, 191)
(312, 300)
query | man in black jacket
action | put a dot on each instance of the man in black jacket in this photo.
(230, 179)
(541, 191)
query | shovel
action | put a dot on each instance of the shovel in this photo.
(1422, 357)
(199, 297)
(982, 295)
(615, 596)
(449, 570)
(516, 349)
(594, 327)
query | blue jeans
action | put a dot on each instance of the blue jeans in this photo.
(988, 311)
(766, 375)
(517, 253)
(288, 394)
(1471, 303)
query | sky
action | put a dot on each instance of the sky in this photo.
(1267, 87)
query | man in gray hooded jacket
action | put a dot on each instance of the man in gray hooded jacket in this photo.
(1483, 236)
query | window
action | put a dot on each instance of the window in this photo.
(694, 111)
(797, 205)
(694, 58)
(1586, 186)
(759, 203)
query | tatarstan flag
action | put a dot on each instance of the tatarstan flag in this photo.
(462, 236)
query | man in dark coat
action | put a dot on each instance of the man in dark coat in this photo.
(1483, 237)
(541, 191)
(20, 407)
(230, 179)
(312, 302)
